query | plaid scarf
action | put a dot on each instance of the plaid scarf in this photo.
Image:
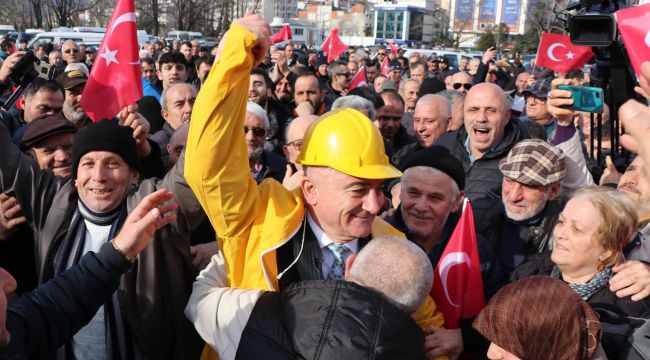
(589, 288)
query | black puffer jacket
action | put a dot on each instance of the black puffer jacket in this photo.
(483, 177)
(329, 320)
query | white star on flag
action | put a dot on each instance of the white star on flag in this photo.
(569, 55)
(109, 56)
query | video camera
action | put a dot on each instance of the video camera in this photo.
(594, 24)
(26, 70)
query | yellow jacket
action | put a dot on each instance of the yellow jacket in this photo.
(251, 220)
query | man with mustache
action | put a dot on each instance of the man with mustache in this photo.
(260, 91)
(487, 137)
(263, 163)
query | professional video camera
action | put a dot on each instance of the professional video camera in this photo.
(26, 70)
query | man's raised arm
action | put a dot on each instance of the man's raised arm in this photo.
(216, 158)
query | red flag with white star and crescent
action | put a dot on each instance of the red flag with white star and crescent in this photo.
(114, 81)
(458, 285)
(558, 53)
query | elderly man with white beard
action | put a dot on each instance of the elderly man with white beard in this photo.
(263, 163)
(520, 223)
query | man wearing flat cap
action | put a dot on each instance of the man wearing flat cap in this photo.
(72, 216)
(521, 222)
(536, 109)
(49, 141)
(73, 83)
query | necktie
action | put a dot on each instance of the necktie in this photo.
(340, 253)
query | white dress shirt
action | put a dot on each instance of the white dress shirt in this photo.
(324, 241)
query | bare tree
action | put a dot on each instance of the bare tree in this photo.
(460, 33)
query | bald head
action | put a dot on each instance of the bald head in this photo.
(394, 267)
(486, 114)
(294, 134)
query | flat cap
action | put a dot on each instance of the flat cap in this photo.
(539, 88)
(534, 162)
(43, 127)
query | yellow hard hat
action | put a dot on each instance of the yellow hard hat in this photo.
(346, 140)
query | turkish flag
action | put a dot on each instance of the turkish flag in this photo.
(333, 46)
(634, 26)
(393, 48)
(359, 79)
(115, 79)
(384, 67)
(556, 52)
(283, 35)
(457, 285)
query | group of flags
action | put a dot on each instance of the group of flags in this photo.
(458, 287)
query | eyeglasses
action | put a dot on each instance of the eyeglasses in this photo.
(381, 54)
(67, 51)
(457, 86)
(296, 144)
(257, 131)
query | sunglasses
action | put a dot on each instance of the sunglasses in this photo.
(67, 51)
(256, 131)
(457, 86)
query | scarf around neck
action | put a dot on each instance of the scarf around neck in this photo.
(589, 288)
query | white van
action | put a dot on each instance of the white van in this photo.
(89, 38)
(180, 35)
(57, 38)
(5, 29)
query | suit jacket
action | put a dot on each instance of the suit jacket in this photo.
(309, 265)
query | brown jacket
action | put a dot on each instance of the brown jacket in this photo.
(153, 294)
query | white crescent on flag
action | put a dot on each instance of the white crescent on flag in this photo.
(123, 18)
(647, 39)
(126, 17)
(550, 54)
(446, 263)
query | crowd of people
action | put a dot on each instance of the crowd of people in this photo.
(166, 233)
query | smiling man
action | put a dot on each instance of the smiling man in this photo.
(79, 214)
(487, 137)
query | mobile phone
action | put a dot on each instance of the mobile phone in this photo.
(589, 99)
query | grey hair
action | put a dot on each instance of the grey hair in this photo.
(435, 98)
(333, 68)
(259, 112)
(356, 102)
(360, 55)
(163, 96)
(402, 85)
(396, 268)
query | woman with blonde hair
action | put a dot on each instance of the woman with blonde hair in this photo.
(588, 241)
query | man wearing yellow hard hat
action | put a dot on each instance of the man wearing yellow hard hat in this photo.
(269, 236)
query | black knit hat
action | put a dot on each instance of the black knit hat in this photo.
(438, 157)
(105, 135)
